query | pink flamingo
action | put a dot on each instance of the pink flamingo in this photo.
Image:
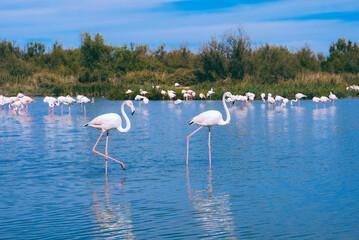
(316, 100)
(109, 121)
(332, 97)
(210, 119)
(324, 99)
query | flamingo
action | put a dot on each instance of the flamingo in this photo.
(278, 99)
(201, 95)
(84, 100)
(209, 93)
(139, 98)
(17, 105)
(316, 100)
(163, 92)
(242, 99)
(332, 97)
(177, 84)
(142, 92)
(298, 96)
(324, 99)
(52, 102)
(285, 101)
(178, 102)
(145, 101)
(263, 95)
(209, 119)
(69, 101)
(25, 100)
(271, 100)
(171, 94)
(109, 121)
(250, 96)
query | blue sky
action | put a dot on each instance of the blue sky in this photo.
(282, 22)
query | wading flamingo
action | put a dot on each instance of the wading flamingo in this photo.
(209, 93)
(109, 121)
(316, 100)
(298, 96)
(270, 100)
(209, 119)
(263, 95)
(324, 99)
(332, 97)
(163, 92)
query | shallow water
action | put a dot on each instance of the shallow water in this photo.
(287, 173)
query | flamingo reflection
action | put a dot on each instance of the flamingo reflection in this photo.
(115, 220)
(212, 209)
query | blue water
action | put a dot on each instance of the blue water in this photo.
(287, 173)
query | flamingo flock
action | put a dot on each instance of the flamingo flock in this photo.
(16, 104)
(110, 121)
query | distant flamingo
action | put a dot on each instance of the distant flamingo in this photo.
(52, 102)
(209, 93)
(177, 84)
(271, 100)
(109, 121)
(69, 101)
(298, 96)
(278, 99)
(210, 119)
(178, 102)
(62, 100)
(263, 95)
(332, 97)
(324, 99)
(163, 92)
(201, 96)
(316, 100)
(171, 94)
(285, 101)
(83, 101)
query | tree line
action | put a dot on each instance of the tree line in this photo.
(230, 58)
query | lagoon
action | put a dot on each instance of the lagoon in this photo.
(285, 173)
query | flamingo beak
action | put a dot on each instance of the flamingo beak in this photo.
(133, 112)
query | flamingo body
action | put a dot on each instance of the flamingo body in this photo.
(209, 119)
(108, 122)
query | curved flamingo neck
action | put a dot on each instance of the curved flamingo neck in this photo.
(227, 111)
(128, 123)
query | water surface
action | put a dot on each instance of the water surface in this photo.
(287, 173)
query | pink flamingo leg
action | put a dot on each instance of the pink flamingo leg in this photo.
(94, 150)
(106, 153)
(209, 146)
(188, 142)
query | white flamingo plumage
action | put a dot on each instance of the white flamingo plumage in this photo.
(270, 100)
(316, 100)
(108, 122)
(209, 119)
(209, 93)
(324, 99)
(332, 97)
(263, 95)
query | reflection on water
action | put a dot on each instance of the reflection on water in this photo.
(283, 173)
(114, 219)
(212, 209)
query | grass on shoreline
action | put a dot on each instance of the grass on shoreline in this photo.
(311, 84)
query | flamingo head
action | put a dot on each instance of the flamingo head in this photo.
(130, 105)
